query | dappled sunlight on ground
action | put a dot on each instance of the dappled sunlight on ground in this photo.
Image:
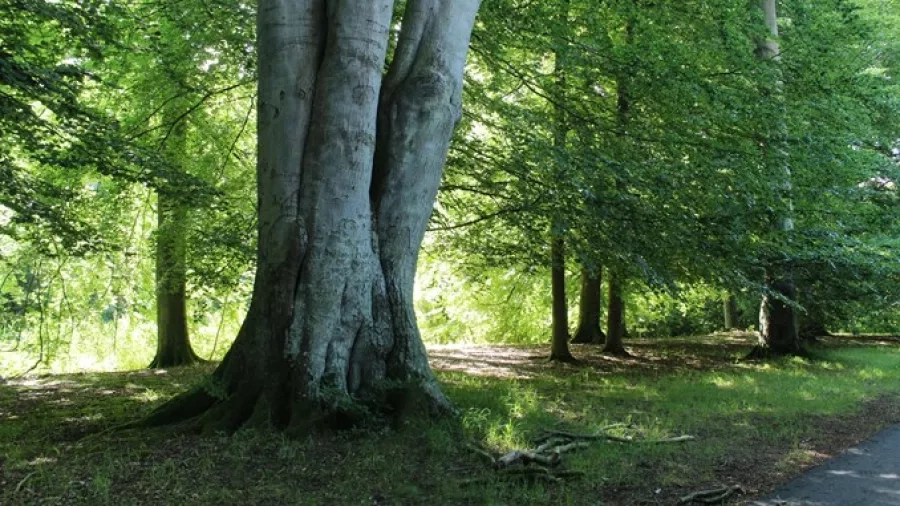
(523, 362)
(755, 424)
(481, 360)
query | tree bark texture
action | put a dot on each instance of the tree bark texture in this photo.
(349, 162)
(730, 310)
(615, 316)
(589, 302)
(173, 345)
(559, 347)
(777, 321)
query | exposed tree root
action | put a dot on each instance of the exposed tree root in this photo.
(181, 408)
(712, 496)
(545, 461)
(199, 411)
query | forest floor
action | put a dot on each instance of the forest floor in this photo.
(753, 424)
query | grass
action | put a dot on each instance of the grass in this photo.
(755, 424)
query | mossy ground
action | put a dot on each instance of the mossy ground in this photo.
(756, 424)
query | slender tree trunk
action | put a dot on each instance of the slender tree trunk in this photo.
(589, 301)
(777, 320)
(729, 307)
(615, 316)
(348, 171)
(559, 347)
(173, 345)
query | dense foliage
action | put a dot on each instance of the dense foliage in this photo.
(630, 129)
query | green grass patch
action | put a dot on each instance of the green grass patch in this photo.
(754, 423)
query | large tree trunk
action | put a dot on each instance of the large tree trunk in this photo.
(331, 335)
(559, 347)
(777, 321)
(615, 316)
(173, 345)
(589, 303)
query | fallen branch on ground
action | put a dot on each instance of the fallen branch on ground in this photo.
(545, 461)
(712, 496)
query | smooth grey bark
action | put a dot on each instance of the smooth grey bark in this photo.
(348, 168)
(615, 316)
(173, 345)
(777, 320)
(559, 346)
(730, 310)
(589, 307)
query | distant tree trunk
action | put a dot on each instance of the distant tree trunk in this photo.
(559, 347)
(173, 345)
(349, 162)
(777, 320)
(812, 323)
(729, 307)
(615, 316)
(589, 331)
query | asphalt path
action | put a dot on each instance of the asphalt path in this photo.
(867, 475)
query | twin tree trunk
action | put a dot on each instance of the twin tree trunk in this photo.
(173, 345)
(777, 319)
(589, 302)
(348, 171)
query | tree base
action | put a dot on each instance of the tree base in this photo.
(766, 353)
(175, 360)
(616, 352)
(563, 358)
(583, 336)
(201, 411)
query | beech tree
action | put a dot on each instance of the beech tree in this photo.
(349, 162)
(173, 344)
(777, 320)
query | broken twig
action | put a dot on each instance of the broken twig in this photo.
(712, 496)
